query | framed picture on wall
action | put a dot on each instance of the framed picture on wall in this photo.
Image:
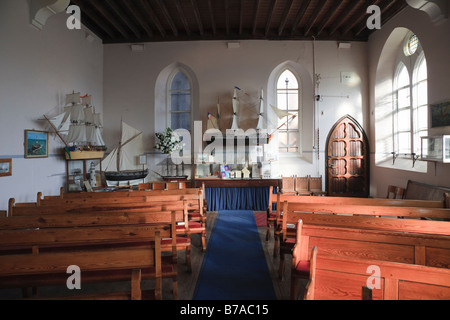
(5, 167)
(440, 114)
(36, 144)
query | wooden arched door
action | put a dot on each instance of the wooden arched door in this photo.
(347, 156)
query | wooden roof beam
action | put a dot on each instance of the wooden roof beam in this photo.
(255, 20)
(153, 17)
(182, 17)
(211, 16)
(197, 17)
(273, 5)
(287, 10)
(120, 13)
(300, 15)
(167, 17)
(111, 19)
(314, 16)
(136, 12)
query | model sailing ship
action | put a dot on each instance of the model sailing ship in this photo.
(79, 128)
(122, 164)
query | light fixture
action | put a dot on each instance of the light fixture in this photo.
(137, 47)
(345, 45)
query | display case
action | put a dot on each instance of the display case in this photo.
(83, 175)
(436, 148)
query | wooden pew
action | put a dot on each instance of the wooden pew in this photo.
(149, 204)
(99, 265)
(330, 202)
(78, 231)
(418, 209)
(412, 241)
(198, 214)
(156, 214)
(342, 278)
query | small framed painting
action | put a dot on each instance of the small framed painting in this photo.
(36, 144)
(5, 167)
(440, 114)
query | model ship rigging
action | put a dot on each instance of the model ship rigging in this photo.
(121, 164)
(79, 128)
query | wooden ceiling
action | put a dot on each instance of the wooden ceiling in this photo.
(131, 21)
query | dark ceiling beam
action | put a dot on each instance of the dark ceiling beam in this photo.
(100, 8)
(331, 13)
(300, 15)
(95, 18)
(227, 18)
(286, 12)
(120, 13)
(168, 17)
(255, 20)
(182, 17)
(197, 17)
(153, 17)
(341, 17)
(137, 13)
(241, 17)
(314, 16)
(211, 17)
(273, 5)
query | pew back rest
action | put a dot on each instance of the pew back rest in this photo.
(340, 278)
(98, 260)
(294, 212)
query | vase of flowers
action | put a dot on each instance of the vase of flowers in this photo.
(168, 142)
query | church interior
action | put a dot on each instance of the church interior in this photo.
(225, 150)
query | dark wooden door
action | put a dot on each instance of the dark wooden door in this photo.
(347, 157)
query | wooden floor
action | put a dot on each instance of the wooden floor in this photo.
(186, 281)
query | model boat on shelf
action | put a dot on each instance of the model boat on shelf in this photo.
(122, 163)
(79, 128)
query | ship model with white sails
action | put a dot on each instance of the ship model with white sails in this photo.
(79, 128)
(122, 163)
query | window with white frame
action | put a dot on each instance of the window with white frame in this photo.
(410, 120)
(288, 100)
(180, 101)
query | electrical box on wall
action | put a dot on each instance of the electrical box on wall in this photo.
(346, 77)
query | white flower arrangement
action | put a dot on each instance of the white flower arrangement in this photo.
(169, 141)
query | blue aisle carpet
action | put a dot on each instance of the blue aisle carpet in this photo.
(234, 266)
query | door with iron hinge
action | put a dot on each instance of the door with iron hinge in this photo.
(347, 160)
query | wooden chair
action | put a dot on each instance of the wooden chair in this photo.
(395, 192)
(315, 186)
(302, 186)
(288, 185)
(158, 186)
(301, 269)
(271, 215)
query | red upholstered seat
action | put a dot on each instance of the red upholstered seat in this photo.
(302, 269)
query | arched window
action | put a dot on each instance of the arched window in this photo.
(411, 98)
(288, 100)
(402, 117)
(180, 101)
(420, 101)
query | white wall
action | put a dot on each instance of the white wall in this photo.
(37, 69)
(130, 79)
(436, 44)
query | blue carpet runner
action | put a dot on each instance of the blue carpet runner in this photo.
(234, 266)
